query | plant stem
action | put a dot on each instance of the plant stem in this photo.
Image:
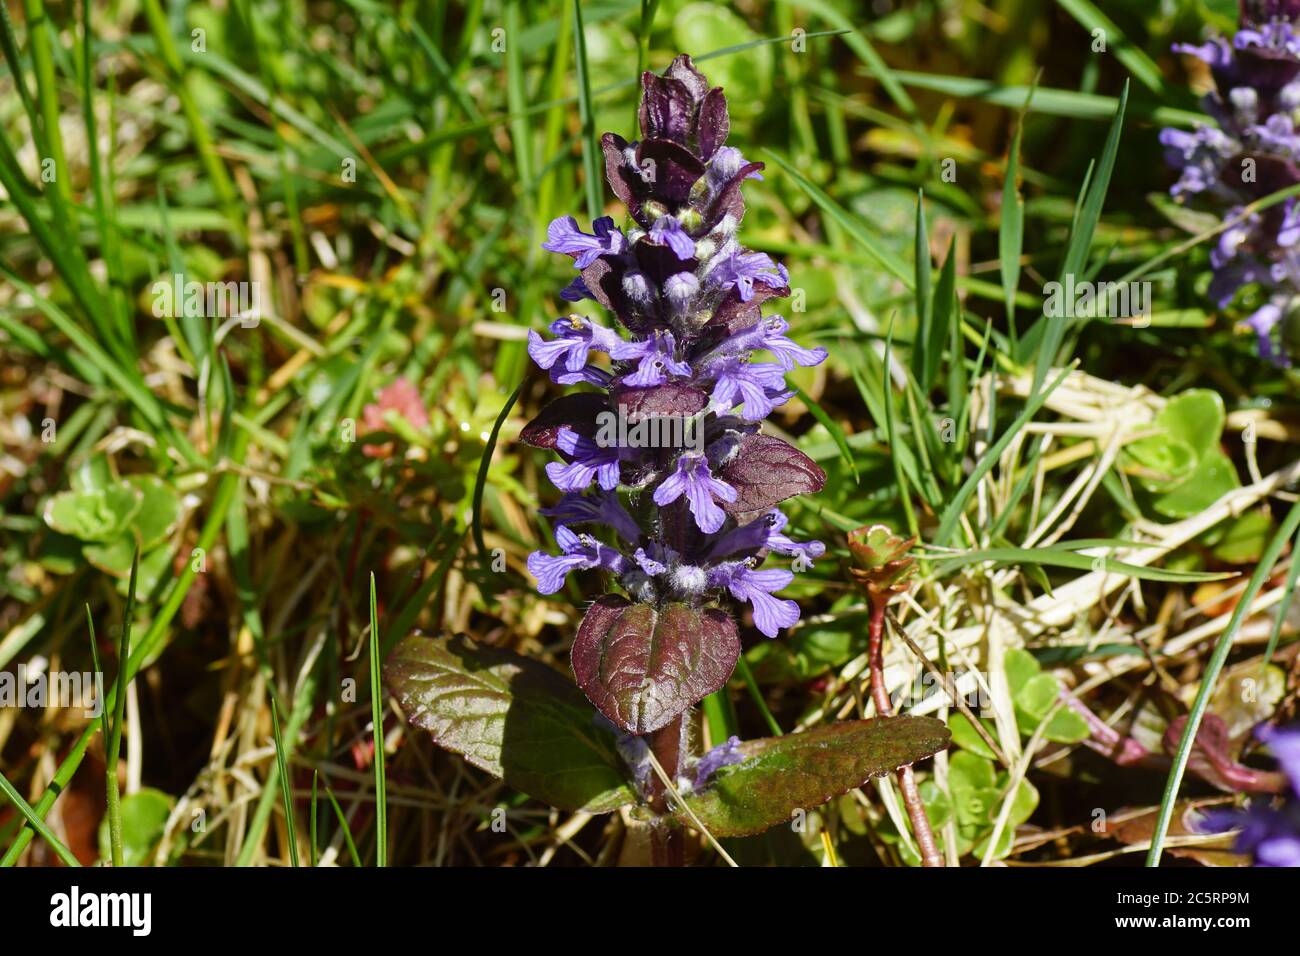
(925, 842)
(667, 842)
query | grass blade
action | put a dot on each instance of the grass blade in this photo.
(480, 481)
(286, 789)
(923, 292)
(1133, 57)
(881, 255)
(1263, 570)
(377, 716)
(1051, 329)
(114, 743)
(590, 170)
(953, 512)
(35, 821)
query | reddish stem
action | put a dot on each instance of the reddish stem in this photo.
(925, 841)
(667, 842)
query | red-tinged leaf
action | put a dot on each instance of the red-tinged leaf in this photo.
(729, 200)
(766, 471)
(577, 411)
(623, 179)
(733, 315)
(714, 123)
(659, 263)
(642, 666)
(513, 717)
(780, 775)
(666, 108)
(670, 170)
(684, 71)
(659, 401)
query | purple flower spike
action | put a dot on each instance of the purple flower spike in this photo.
(590, 461)
(726, 163)
(1261, 322)
(687, 398)
(563, 235)
(788, 353)
(1253, 151)
(693, 479)
(781, 543)
(579, 551)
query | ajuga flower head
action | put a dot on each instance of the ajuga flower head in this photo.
(1254, 151)
(668, 483)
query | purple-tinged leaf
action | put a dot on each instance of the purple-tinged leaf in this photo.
(604, 280)
(671, 399)
(780, 775)
(766, 471)
(642, 666)
(513, 717)
(626, 182)
(683, 71)
(660, 262)
(732, 315)
(577, 411)
(729, 200)
(674, 170)
(714, 123)
(666, 108)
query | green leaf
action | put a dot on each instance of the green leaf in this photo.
(1134, 57)
(1021, 667)
(1034, 694)
(1196, 417)
(1037, 696)
(1023, 804)
(112, 557)
(159, 509)
(1246, 538)
(95, 515)
(965, 736)
(1183, 465)
(1214, 477)
(924, 305)
(144, 816)
(1011, 225)
(1066, 727)
(1048, 101)
(967, 771)
(1161, 460)
(513, 717)
(800, 771)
